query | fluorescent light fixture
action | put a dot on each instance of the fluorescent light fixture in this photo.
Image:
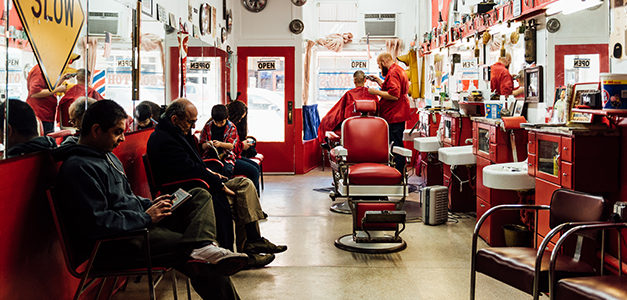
(581, 5)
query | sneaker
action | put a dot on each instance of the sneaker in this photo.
(263, 246)
(225, 261)
(256, 261)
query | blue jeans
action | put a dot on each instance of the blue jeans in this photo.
(248, 168)
(396, 137)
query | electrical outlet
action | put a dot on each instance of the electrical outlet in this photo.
(620, 208)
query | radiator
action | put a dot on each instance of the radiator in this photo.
(434, 204)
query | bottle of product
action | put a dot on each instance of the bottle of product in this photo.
(556, 165)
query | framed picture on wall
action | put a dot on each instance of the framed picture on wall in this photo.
(147, 7)
(534, 83)
(518, 108)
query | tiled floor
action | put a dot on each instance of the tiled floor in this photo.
(435, 265)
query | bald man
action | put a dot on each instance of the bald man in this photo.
(501, 80)
(345, 107)
(394, 104)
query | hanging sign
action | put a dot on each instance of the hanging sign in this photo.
(359, 64)
(265, 65)
(200, 65)
(52, 31)
(581, 63)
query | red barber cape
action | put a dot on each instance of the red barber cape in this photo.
(343, 109)
(75, 92)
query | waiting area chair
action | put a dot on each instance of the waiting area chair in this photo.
(526, 268)
(88, 273)
(598, 287)
(366, 176)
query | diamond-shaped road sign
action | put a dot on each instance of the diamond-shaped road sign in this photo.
(52, 27)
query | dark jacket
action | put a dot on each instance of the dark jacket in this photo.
(97, 198)
(37, 144)
(173, 156)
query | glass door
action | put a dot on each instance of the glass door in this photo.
(266, 81)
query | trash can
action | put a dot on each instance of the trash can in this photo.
(517, 236)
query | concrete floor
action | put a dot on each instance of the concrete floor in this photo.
(435, 265)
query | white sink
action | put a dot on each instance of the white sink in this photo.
(427, 144)
(410, 137)
(508, 176)
(456, 156)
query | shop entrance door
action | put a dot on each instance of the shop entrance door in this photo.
(266, 81)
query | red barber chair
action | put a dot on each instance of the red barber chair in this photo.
(364, 173)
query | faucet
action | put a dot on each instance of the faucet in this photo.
(468, 141)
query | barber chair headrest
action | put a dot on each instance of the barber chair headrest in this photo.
(365, 106)
(513, 122)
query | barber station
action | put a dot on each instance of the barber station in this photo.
(313, 149)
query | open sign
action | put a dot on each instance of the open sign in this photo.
(266, 65)
(359, 64)
(200, 65)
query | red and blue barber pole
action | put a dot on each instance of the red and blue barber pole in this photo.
(99, 82)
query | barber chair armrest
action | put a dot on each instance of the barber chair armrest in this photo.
(339, 151)
(401, 151)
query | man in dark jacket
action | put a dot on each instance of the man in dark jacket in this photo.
(98, 202)
(173, 154)
(22, 135)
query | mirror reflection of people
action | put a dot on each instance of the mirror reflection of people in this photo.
(22, 135)
(394, 104)
(146, 115)
(43, 100)
(73, 93)
(76, 111)
(345, 107)
(501, 81)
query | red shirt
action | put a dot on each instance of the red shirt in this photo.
(397, 85)
(75, 92)
(501, 80)
(343, 110)
(46, 107)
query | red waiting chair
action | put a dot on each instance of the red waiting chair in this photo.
(88, 273)
(366, 176)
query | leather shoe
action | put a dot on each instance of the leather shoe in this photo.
(263, 246)
(256, 261)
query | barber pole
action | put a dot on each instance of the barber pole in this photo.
(99, 82)
(183, 40)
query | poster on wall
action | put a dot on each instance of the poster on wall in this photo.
(439, 11)
(147, 7)
(213, 21)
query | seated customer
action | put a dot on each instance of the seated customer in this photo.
(76, 112)
(242, 148)
(22, 136)
(98, 202)
(345, 107)
(174, 156)
(146, 115)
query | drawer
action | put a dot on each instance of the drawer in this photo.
(531, 165)
(567, 172)
(500, 153)
(446, 181)
(484, 231)
(567, 149)
(474, 145)
(531, 143)
(544, 191)
(482, 191)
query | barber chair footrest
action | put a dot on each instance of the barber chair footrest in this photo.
(348, 243)
(384, 216)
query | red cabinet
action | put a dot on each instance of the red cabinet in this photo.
(585, 161)
(457, 129)
(429, 121)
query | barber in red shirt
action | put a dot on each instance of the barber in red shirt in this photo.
(394, 104)
(501, 80)
(41, 99)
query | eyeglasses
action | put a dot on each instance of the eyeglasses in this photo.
(191, 122)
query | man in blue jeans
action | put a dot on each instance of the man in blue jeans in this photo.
(394, 104)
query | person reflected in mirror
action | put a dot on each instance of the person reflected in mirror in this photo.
(76, 111)
(73, 93)
(501, 81)
(394, 103)
(22, 135)
(43, 100)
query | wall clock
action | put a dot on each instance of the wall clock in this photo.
(299, 2)
(205, 19)
(297, 26)
(254, 5)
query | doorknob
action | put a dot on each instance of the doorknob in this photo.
(290, 112)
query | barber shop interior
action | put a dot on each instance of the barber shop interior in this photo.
(313, 149)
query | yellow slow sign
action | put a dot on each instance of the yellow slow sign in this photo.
(52, 27)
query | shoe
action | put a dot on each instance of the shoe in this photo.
(225, 261)
(256, 261)
(265, 215)
(263, 246)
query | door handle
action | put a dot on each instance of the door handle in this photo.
(290, 112)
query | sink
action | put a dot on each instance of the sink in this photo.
(427, 144)
(508, 176)
(410, 137)
(456, 156)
